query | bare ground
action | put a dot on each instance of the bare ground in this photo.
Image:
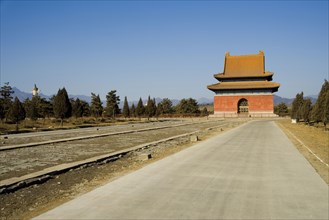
(316, 139)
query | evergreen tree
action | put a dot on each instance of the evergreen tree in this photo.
(2, 111)
(16, 112)
(150, 109)
(296, 106)
(27, 106)
(319, 109)
(62, 105)
(112, 104)
(31, 108)
(204, 112)
(306, 110)
(165, 106)
(140, 109)
(281, 109)
(159, 110)
(6, 92)
(35, 107)
(38, 107)
(77, 108)
(133, 110)
(45, 108)
(326, 111)
(125, 110)
(188, 106)
(85, 108)
(96, 108)
(154, 108)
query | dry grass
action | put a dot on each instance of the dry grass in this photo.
(315, 138)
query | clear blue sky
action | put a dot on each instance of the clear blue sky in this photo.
(163, 49)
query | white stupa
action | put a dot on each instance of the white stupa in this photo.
(35, 90)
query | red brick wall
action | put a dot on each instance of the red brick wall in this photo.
(257, 103)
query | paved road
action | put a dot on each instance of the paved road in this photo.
(251, 172)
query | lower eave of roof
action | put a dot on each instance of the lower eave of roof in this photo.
(244, 86)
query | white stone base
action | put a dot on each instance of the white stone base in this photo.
(225, 115)
(244, 115)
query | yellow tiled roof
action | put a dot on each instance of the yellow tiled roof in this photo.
(252, 65)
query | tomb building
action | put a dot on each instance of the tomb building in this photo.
(244, 89)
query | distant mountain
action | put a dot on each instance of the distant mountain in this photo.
(279, 99)
(315, 97)
(203, 101)
(288, 102)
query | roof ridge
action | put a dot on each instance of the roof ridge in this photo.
(261, 53)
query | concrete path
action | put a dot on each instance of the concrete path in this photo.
(251, 172)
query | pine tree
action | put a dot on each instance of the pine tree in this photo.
(85, 108)
(326, 111)
(133, 110)
(2, 111)
(6, 92)
(150, 109)
(159, 110)
(16, 112)
(77, 108)
(45, 108)
(33, 107)
(166, 106)
(112, 104)
(306, 110)
(125, 110)
(154, 107)
(319, 108)
(188, 106)
(204, 112)
(62, 105)
(296, 106)
(281, 109)
(96, 108)
(140, 109)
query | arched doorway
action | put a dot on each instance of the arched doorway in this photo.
(243, 106)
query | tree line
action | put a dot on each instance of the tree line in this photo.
(302, 109)
(61, 107)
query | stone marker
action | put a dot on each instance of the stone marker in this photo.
(144, 156)
(194, 138)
